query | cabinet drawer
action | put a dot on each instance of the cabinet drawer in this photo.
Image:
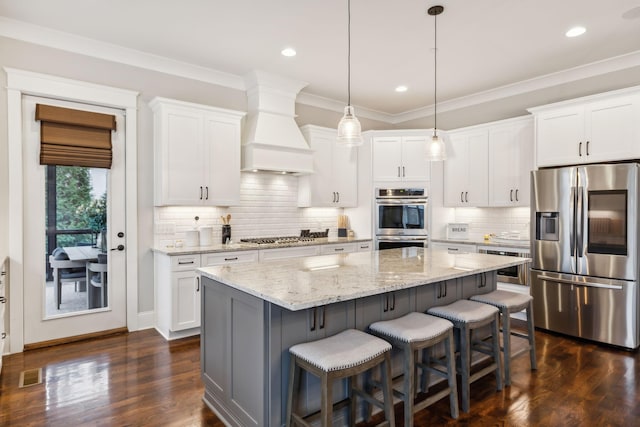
(454, 248)
(283, 253)
(185, 262)
(209, 260)
(343, 248)
(364, 246)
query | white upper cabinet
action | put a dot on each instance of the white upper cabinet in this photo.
(400, 158)
(197, 154)
(335, 181)
(466, 168)
(510, 162)
(598, 128)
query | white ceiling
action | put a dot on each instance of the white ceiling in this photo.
(482, 44)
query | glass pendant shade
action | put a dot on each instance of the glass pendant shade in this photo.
(436, 150)
(349, 130)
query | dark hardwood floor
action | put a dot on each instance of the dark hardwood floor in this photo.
(139, 379)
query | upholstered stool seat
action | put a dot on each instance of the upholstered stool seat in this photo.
(512, 302)
(421, 332)
(344, 355)
(466, 317)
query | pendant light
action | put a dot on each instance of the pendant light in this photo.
(349, 130)
(436, 150)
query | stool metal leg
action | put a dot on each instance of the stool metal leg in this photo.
(496, 349)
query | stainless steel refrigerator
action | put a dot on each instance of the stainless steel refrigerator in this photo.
(584, 246)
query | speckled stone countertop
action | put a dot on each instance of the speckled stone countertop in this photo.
(301, 283)
(253, 246)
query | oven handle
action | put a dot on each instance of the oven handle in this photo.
(401, 239)
(400, 201)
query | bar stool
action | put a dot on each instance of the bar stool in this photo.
(467, 316)
(344, 355)
(416, 332)
(512, 302)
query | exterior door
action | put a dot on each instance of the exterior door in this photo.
(95, 203)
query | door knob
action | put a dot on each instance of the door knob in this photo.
(118, 248)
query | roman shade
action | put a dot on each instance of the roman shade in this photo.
(74, 137)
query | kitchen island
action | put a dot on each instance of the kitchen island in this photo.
(253, 313)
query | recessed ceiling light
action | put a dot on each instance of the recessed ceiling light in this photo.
(575, 32)
(289, 51)
(401, 89)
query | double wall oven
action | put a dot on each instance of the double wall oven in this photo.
(401, 218)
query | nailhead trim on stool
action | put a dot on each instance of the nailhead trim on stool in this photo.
(412, 333)
(344, 355)
(467, 316)
(512, 302)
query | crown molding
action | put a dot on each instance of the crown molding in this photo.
(89, 47)
(60, 40)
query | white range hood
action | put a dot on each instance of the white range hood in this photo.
(272, 140)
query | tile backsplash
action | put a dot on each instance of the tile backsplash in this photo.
(268, 207)
(495, 220)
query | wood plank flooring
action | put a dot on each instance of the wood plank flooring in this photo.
(139, 379)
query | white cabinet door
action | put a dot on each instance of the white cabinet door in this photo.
(185, 300)
(345, 176)
(222, 258)
(222, 151)
(387, 159)
(466, 169)
(559, 134)
(415, 167)
(179, 159)
(510, 164)
(335, 181)
(338, 248)
(612, 130)
(197, 154)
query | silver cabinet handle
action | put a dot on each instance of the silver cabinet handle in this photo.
(403, 174)
(398, 171)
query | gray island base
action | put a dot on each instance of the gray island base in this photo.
(253, 313)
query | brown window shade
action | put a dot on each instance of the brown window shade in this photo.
(74, 138)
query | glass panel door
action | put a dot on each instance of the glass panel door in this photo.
(607, 222)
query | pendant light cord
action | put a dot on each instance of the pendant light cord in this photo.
(435, 76)
(349, 53)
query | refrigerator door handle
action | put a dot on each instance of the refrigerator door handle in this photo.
(580, 230)
(589, 284)
(572, 229)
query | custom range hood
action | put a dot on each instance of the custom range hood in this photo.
(272, 140)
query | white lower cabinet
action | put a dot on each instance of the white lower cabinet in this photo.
(178, 289)
(455, 247)
(284, 253)
(364, 246)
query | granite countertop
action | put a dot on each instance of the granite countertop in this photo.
(253, 246)
(301, 283)
(494, 241)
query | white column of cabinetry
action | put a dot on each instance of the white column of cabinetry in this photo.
(598, 128)
(197, 154)
(335, 181)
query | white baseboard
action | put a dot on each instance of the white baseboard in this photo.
(146, 320)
